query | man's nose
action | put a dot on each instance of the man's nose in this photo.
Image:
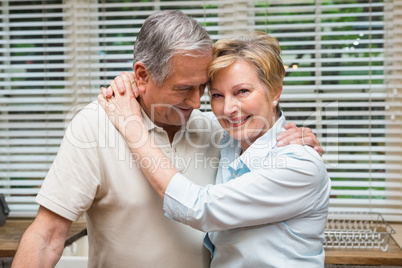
(193, 99)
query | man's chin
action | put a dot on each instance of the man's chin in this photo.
(174, 122)
(180, 119)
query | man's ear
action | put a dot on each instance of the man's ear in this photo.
(141, 76)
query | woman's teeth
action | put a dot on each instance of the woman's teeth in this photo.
(238, 121)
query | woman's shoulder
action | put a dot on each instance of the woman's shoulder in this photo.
(302, 156)
(302, 152)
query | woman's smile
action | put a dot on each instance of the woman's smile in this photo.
(241, 102)
(238, 121)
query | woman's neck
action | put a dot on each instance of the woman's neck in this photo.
(246, 143)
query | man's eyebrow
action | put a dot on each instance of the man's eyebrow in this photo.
(184, 87)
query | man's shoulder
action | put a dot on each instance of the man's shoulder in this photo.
(200, 120)
(88, 114)
(88, 120)
(210, 115)
(204, 128)
(89, 109)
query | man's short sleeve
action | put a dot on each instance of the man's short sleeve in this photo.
(74, 177)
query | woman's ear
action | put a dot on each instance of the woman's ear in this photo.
(141, 76)
(277, 94)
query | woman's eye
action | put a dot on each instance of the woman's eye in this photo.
(243, 91)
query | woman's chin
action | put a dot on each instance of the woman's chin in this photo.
(246, 138)
(241, 136)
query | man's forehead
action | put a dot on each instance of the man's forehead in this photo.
(206, 52)
(197, 56)
(189, 70)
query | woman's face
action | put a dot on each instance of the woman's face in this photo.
(240, 102)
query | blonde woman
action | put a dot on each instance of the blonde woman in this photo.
(269, 206)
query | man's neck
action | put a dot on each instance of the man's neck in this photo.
(171, 131)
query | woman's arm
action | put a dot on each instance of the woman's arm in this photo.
(293, 134)
(124, 112)
(264, 195)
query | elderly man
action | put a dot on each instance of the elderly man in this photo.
(95, 173)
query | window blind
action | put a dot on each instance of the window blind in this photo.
(35, 94)
(336, 84)
(343, 63)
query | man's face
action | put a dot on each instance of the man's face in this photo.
(171, 104)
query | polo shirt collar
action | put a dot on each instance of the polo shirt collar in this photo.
(190, 126)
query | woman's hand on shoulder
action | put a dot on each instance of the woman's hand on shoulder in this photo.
(122, 108)
(121, 83)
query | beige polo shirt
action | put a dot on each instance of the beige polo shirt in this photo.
(95, 172)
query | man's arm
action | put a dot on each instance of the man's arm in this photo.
(43, 242)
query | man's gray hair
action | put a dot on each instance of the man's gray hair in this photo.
(164, 34)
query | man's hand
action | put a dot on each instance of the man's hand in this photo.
(299, 135)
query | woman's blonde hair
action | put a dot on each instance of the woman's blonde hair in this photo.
(260, 50)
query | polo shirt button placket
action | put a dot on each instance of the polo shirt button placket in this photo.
(178, 162)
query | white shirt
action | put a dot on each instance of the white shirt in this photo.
(268, 209)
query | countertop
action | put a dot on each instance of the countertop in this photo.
(11, 232)
(393, 256)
